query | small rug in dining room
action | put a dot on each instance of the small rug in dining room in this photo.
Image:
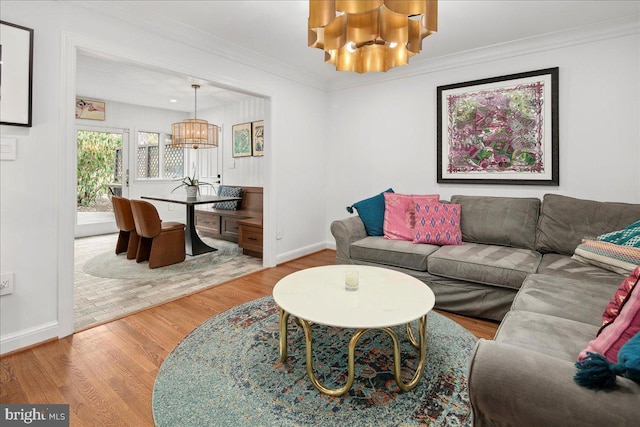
(108, 265)
(227, 372)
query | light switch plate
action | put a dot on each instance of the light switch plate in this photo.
(6, 283)
(8, 148)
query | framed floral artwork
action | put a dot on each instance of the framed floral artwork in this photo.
(257, 132)
(241, 140)
(500, 130)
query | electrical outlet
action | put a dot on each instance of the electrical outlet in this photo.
(6, 283)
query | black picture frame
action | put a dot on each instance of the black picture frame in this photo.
(16, 75)
(257, 138)
(500, 130)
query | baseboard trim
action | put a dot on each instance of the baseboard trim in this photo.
(29, 337)
(299, 253)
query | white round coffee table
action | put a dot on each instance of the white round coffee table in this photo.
(385, 298)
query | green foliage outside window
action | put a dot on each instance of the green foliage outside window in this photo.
(96, 164)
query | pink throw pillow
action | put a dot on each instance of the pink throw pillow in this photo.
(615, 334)
(620, 297)
(437, 223)
(398, 215)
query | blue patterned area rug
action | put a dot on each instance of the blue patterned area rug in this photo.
(227, 373)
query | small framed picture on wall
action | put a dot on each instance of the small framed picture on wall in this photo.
(241, 140)
(90, 109)
(257, 132)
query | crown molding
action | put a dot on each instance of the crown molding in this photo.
(588, 34)
(185, 34)
(192, 37)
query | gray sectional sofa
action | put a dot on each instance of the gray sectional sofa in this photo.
(516, 267)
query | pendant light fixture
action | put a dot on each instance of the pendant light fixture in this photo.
(370, 35)
(194, 133)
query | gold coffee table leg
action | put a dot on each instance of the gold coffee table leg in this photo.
(397, 359)
(412, 338)
(284, 319)
(422, 334)
(350, 363)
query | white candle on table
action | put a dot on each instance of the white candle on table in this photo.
(351, 280)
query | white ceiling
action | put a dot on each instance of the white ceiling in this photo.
(273, 35)
(105, 78)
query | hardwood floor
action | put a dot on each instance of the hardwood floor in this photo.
(106, 374)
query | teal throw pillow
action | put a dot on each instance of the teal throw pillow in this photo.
(630, 236)
(596, 372)
(371, 212)
(226, 191)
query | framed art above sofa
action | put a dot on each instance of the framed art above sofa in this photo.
(499, 130)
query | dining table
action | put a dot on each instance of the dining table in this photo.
(193, 243)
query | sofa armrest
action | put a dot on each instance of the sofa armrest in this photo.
(347, 231)
(510, 385)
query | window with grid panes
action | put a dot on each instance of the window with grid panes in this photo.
(148, 155)
(173, 159)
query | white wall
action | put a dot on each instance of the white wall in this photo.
(242, 171)
(35, 224)
(384, 135)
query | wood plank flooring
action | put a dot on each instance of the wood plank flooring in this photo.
(106, 374)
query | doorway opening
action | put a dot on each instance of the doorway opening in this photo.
(79, 71)
(102, 172)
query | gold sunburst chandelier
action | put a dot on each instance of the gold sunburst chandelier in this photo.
(370, 35)
(194, 133)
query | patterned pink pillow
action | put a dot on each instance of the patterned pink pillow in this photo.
(615, 334)
(398, 215)
(619, 298)
(437, 223)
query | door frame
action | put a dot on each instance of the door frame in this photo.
(65, 190)
(83, 230)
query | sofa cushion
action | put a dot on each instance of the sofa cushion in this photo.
(614, 335)
(564, 266)
(469, 298)
(399, 216)
(617, 258)
(227, 191)
(436, 223)
(620, 297)
(398, 253)
(507, 221)
(565, 221)
(371, 212)
(488, 264)
(555, 336)
(571, 299)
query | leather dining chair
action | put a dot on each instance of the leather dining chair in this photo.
(128, 237)
(162, 243)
